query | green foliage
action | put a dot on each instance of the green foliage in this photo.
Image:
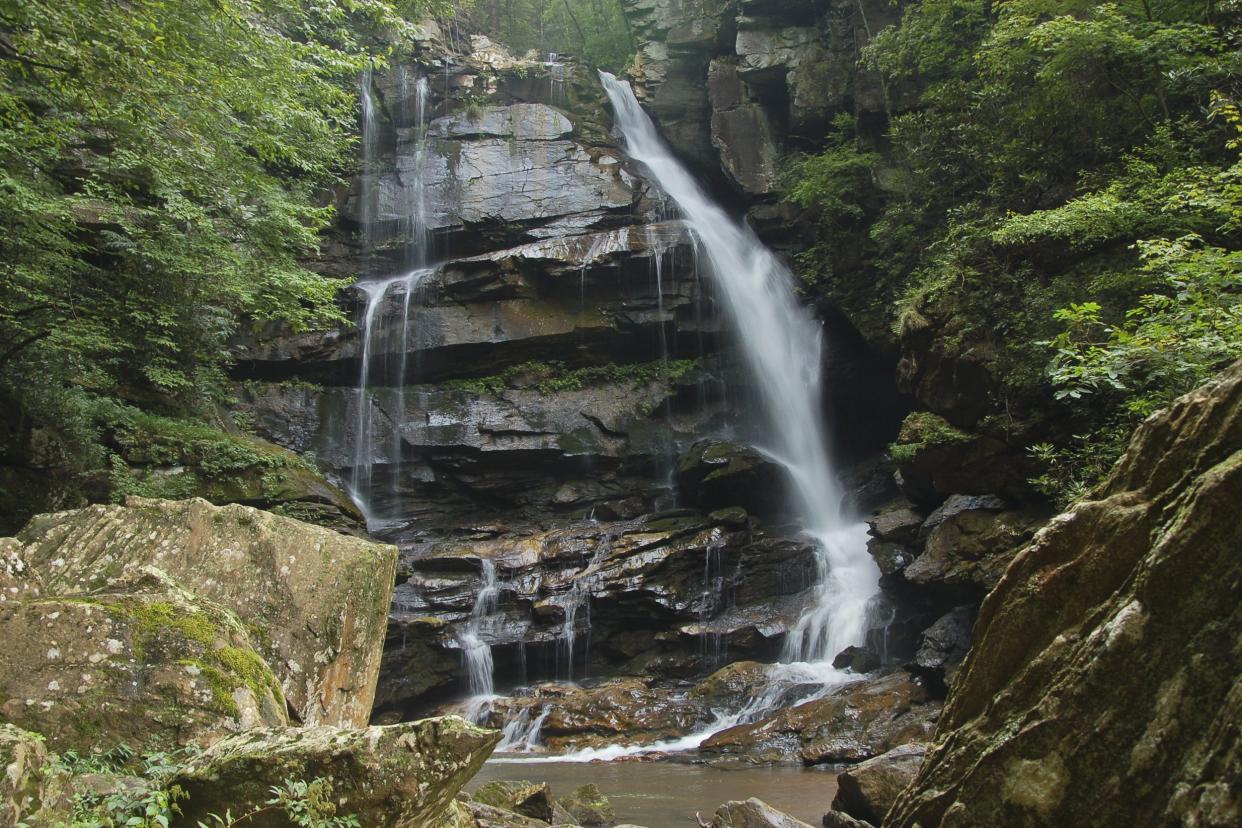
(154, 803)
(592, 30)
(162, 170)
(1064, 200)
(551, 377)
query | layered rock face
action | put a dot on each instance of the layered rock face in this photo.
(1050, 721)
(523, 409)
(205, 619)
(559, 352)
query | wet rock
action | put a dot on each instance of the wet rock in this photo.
(588, 806)
(733, 685)
(942, 646)
(316, 600)
(896, 522)
(718, 473)
(840, 819)
(955, 505)
(415, 661)
(852, 723)
(867, 790)
(145, 663)
(753, 813)
(530, 799)
(968, 550)
(858, 659)
(741, 131)
(404, 775)
(1119, 620)
(891, 558)
(472, 814)
(936, 459)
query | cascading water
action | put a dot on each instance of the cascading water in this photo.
(781, 345)
(476, 651)
(415, 239)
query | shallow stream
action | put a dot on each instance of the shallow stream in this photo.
(664, 794)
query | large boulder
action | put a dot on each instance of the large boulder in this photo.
(753, 813)
(867, 790)
(146, 664)
(404, 776)
(530, 799)
(854, 722)
(314, 602)
(1105, 683)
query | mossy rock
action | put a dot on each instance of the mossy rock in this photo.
(588, 805)
(405, 776)
(150, 665)
(312, 602)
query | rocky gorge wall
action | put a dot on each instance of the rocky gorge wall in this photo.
(553, 404)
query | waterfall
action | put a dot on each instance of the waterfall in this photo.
(476, 651)
(416, 241)
(780, 342)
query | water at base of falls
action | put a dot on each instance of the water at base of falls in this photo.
(781, 344)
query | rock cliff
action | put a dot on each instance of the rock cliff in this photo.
(1103, 687)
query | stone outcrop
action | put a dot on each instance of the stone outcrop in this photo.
(1143, 571)
(309, 601)
(23, 785)
(666, 594)
(753, 813)
(867, 790)
(405, 776)
(854, 722)
(141, 662)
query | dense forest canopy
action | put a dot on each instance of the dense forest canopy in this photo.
(592, 30)
(1060, 174)
(1064, 176)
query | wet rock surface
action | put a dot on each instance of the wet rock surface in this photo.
(1142, 571)
(753, 813)
(852, 723)
(671, 594)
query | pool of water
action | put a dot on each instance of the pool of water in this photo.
(666, 794)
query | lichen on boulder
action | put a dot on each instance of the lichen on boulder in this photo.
(314, 602)
(146, 664)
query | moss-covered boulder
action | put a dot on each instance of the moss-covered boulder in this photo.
(402, 776)
(313, 602)
(1105, 683)
(531, 799)
(149, 665)
(588, 806)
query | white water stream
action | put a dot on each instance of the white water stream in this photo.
(781, 344)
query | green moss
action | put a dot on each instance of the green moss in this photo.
(921, 430)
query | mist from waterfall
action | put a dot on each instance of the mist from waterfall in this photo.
(781, 344)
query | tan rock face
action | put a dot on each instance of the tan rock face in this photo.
(314, 602)
(867, 790)
(1105, 684)
(403, 776)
